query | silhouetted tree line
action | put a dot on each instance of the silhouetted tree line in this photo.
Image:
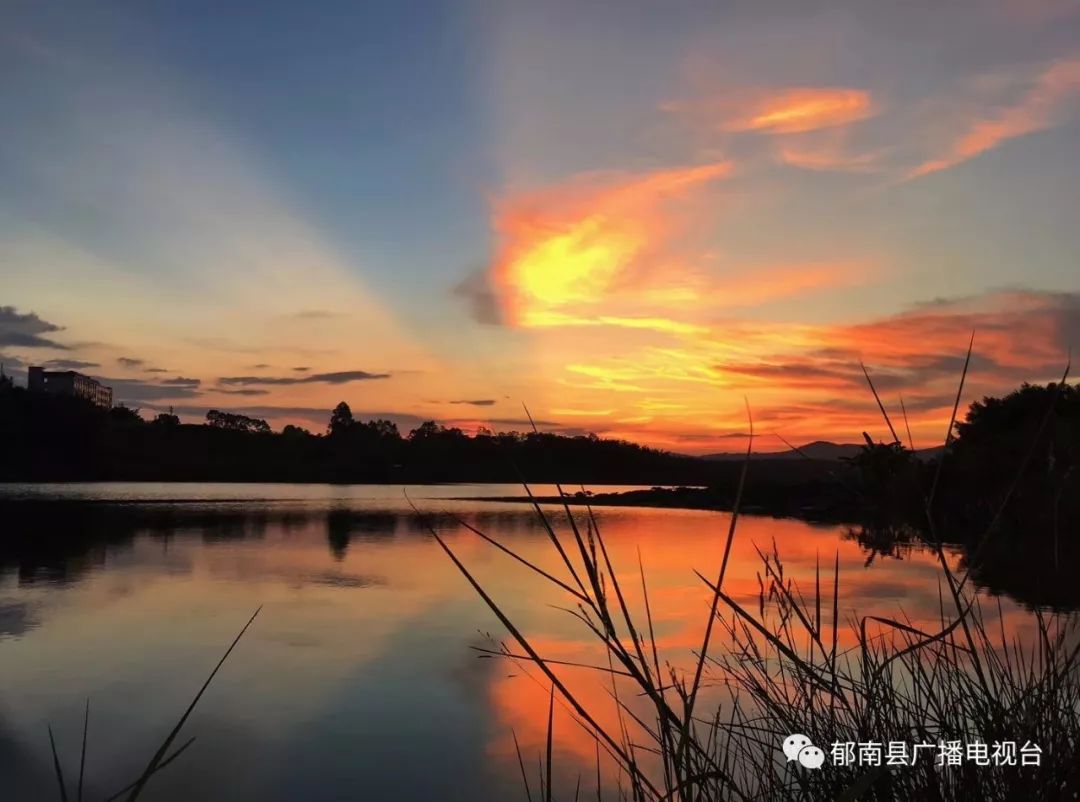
(47, 438)
(1012, 463)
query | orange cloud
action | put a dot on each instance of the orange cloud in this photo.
(832, 155)
(1040, 108)
(777, 111)
(805, 380)
(597, 252)
(573, 245)
(797, 110)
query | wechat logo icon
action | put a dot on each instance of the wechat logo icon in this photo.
(798, 747)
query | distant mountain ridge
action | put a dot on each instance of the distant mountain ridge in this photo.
(819, 449)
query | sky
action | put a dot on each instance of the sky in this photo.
(638, 218)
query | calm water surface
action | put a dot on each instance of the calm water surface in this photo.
(357, 681)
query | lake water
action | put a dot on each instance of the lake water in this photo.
(357, 680)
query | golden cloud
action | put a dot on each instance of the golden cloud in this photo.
(805, 381)
(573, 245)
(798, 110)
(777, 111)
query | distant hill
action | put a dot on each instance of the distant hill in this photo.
(819, 449)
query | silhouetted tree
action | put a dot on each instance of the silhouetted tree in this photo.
(166, 419)
(236, 423)
(295, 432)
(384, 429)
(1042, 420)
(123, 414)
(426, 431)
(341, 421)
(1021, 450)
(881, 468)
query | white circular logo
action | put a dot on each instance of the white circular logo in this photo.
(810, 757)
(792, 745)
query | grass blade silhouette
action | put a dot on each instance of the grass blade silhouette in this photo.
(881, 406)
(160, 766)
(160, 754)
(56, 767)
(82, 756)
(550, 732)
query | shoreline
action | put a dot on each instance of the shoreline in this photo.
(682, 498)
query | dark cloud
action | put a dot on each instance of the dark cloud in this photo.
(260, 366)
(476, 290)
(157, 370)
(241, 391)
(479, 402)
(135, 390)
(130, 362)
(917, 354)
(70, 364)
(341, 377)
(181, 381)
(302, 369)
(25, 330)
(11, 361)
(316, 314)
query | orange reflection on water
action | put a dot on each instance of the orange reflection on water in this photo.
(671, 545)
(362, 648)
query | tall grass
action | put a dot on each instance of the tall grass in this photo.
(781, 669)
(161, 758)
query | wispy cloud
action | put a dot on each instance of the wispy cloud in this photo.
(131, 362)
(780, 110)
(70, 364)
(246, 391)
(832, 154)
(339, 377)
(797, 110)
(550, 319)
(1041, 105)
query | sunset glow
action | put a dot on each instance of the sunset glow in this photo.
(635, 223)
